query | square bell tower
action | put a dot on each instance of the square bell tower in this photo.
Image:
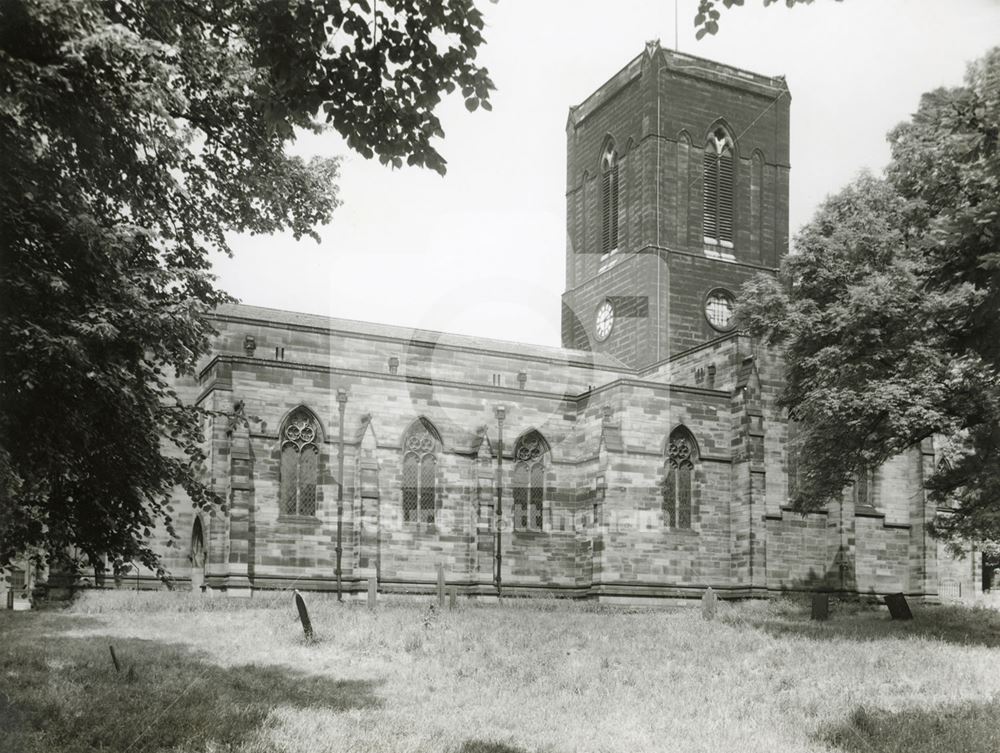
(676, 194)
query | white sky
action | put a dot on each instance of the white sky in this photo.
(481, 251)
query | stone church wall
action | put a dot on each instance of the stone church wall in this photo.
(606, 464)
(566, 554)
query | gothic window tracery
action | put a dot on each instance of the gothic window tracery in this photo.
(720, 306)
(299, 471)
(420, 448)
(529, 481)
(864, 488)
(717, 189)
(682, 455)
(609, 199)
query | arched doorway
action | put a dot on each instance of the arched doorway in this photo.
(197, 556)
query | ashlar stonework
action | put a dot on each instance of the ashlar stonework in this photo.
(644, 458)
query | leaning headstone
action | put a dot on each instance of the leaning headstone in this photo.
(709, 604)
(898, 608)
(114, 659)
(440, 586)
(300, 605)
(452, 597)
(372, 592)
(821, 606)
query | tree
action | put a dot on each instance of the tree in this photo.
(135, 136)
(707, 19)
(946, 163)
(889, 313)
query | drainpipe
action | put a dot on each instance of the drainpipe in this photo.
(341, 405)
(500, 414)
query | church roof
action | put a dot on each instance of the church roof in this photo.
(373, 330)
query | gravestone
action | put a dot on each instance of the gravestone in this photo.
(372, 592)
(898, 608)
(300, 605)
(118, 667)
(709, 604)
(821, 606)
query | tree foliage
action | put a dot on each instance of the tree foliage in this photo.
(889, 313)
(707, 18)
(135, 136)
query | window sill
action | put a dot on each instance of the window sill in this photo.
(529, 533)
(867, 511)
(299, 520)
(723, 253)
(608, 260)
(716, 242)
(683, 532)
(413, 526)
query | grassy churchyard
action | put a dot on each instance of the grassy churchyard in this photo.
(200, 675)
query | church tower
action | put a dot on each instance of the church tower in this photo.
(676, 194)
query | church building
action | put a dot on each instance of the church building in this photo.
(645, 458)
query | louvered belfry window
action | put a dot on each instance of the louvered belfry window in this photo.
(299, 471)
(420, 447)
(609, 200)
(718, 189)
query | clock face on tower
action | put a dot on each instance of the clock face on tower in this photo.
(604, 321)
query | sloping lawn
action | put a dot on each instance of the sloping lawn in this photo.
(200, 675)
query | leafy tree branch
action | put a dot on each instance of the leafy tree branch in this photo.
(136, 135)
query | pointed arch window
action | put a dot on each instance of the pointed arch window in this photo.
(682, 456)
(793, 450)
(864, 489)
(530, 451)
(421, 444)
(943, 468)
(717, 183)
(299, 471)
(609, 199)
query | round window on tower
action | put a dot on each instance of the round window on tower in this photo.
(604, 321)
(719, 308)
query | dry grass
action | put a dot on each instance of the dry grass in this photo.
(538, 676)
